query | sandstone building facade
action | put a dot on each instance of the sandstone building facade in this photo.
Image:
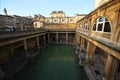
(98, 29)
(7, 22)
(95, 36)
(57, 20)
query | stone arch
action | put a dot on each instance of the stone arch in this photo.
(105, 23)
(92, 24)
(110, 21)
(81, 26)
(35, 24)
(86, 25)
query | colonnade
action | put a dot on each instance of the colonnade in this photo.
(47, 39)
(57, 37)
(37, 43)
(57, 34)
(112, 62)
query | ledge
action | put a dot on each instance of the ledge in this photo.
(104, 41)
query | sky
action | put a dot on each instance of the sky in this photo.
(45, 7)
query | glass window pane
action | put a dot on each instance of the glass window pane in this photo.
(86, 26)
(101, 19)
(94, 27)
(100, 27)
(62, 20)
(55, 20)
(71, 20)
(47, 20)
(107, 27)
(106, 19)
(80, 26)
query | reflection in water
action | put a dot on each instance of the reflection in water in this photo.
(64, 59)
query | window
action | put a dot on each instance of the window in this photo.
(63, 20)
(47, 20)
(35, 24)
(101, 19)
(55, 20)
(86, 26)
(94, 27)
(100, 27)
(71, 20)
(101, 24)
(107, 27)
(80, 26)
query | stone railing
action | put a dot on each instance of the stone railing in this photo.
(85, 32)
(102, 34)
(64, 30)
(15, 34)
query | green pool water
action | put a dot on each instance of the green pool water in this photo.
(58, 62)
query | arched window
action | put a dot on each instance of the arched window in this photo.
(35, 24)
(86, 26)
(63, 20)
(102, 24)
(55, 20)
(80, 26)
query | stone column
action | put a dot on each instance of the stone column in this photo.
(114, 69)
(115, 36)
(44, 39)
(82, 43)
(56, 37)
(12, 54)
(66, 38)
(108, 67)
(90, 50)
(48, 37)
(77, 39)
(38, 44)
(26, 48)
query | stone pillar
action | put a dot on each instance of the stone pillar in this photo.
(90, 50)
(66, 38)
(44, 39)
(108, 67)
(57, 37)
(48, 37)
(12, 54)
(115, 36)
(38, 44)
(82, 43)
(114, 69)
(26, 48)
(77, 39)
